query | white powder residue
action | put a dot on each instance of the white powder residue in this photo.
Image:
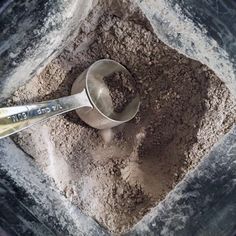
(107, 135)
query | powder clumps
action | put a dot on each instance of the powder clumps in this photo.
(121, 90)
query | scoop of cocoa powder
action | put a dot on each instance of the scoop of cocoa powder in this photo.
(121, 90)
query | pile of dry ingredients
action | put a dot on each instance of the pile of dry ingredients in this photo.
(117, 175)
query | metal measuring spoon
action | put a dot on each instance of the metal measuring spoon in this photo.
(90, 99)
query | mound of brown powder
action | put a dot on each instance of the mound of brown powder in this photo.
(117, 175)
(121, 90)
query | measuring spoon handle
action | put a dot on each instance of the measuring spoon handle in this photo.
(16, 118)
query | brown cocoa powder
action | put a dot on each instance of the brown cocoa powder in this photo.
(117, 175)
(121, 90)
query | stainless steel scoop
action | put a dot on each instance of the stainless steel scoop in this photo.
(90, 97)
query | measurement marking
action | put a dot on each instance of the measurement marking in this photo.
(40, 111)
(18, 117)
